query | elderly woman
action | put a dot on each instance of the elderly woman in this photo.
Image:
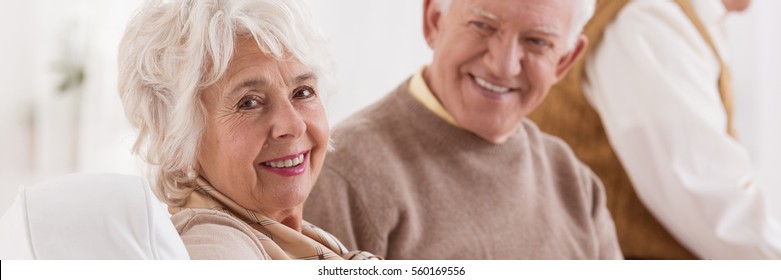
(227, 98)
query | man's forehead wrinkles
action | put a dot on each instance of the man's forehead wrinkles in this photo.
(483, 12)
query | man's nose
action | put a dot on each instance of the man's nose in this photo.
(504, 58)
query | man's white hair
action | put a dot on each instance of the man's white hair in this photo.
(581, 14)
(171, 51)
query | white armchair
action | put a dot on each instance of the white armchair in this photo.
(89, 216)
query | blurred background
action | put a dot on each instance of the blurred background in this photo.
(60, 111)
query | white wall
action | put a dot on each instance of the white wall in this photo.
(45, 131)
(376, 45)
(15, 108)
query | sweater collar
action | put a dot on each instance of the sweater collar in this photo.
(419, 89)
(435, 128)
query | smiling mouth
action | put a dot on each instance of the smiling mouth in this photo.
(489, 86)
(285, 163)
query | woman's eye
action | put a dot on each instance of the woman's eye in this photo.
(248, 103)
(304, 92)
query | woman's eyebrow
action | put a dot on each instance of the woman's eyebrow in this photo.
(260, 82)
(250, 83)
(304, 77)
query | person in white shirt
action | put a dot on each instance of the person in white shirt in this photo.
(657, 87)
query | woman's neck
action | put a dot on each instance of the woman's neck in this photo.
(291, 218)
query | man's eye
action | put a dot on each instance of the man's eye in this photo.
(539, 42)
(304, 92)
(482, 27)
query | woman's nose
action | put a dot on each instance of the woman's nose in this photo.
(287, 123)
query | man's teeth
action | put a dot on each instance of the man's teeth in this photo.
(490, 86)
(285, 163)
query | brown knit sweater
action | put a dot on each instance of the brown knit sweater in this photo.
(405, 184)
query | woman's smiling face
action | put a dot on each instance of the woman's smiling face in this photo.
(266, 133)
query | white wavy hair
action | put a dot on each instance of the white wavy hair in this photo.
(581, 14)
(172, 50)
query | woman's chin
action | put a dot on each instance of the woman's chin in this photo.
(293, 200)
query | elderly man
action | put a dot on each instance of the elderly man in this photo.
(446, 166)
(654, 121)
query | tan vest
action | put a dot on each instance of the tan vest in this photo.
(567, 114)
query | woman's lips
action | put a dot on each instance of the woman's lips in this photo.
(287, 166)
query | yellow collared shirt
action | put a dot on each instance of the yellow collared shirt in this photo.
(420, 90)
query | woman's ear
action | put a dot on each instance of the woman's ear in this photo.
(431, 16)
(568, 59)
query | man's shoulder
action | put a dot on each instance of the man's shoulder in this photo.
(378, 117)
(373, 121)
(367, 142)
(547, 144)
(572, 179)
(372, 129)
(556, 156)
(651, 18)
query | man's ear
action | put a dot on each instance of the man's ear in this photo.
(431, 16)
(568, 59)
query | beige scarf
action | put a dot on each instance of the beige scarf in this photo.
(279, 241)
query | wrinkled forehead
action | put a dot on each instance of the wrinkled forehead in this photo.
(549, 16)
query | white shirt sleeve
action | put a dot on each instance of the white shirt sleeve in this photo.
(653, 80)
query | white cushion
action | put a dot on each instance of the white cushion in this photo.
(89, 216)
